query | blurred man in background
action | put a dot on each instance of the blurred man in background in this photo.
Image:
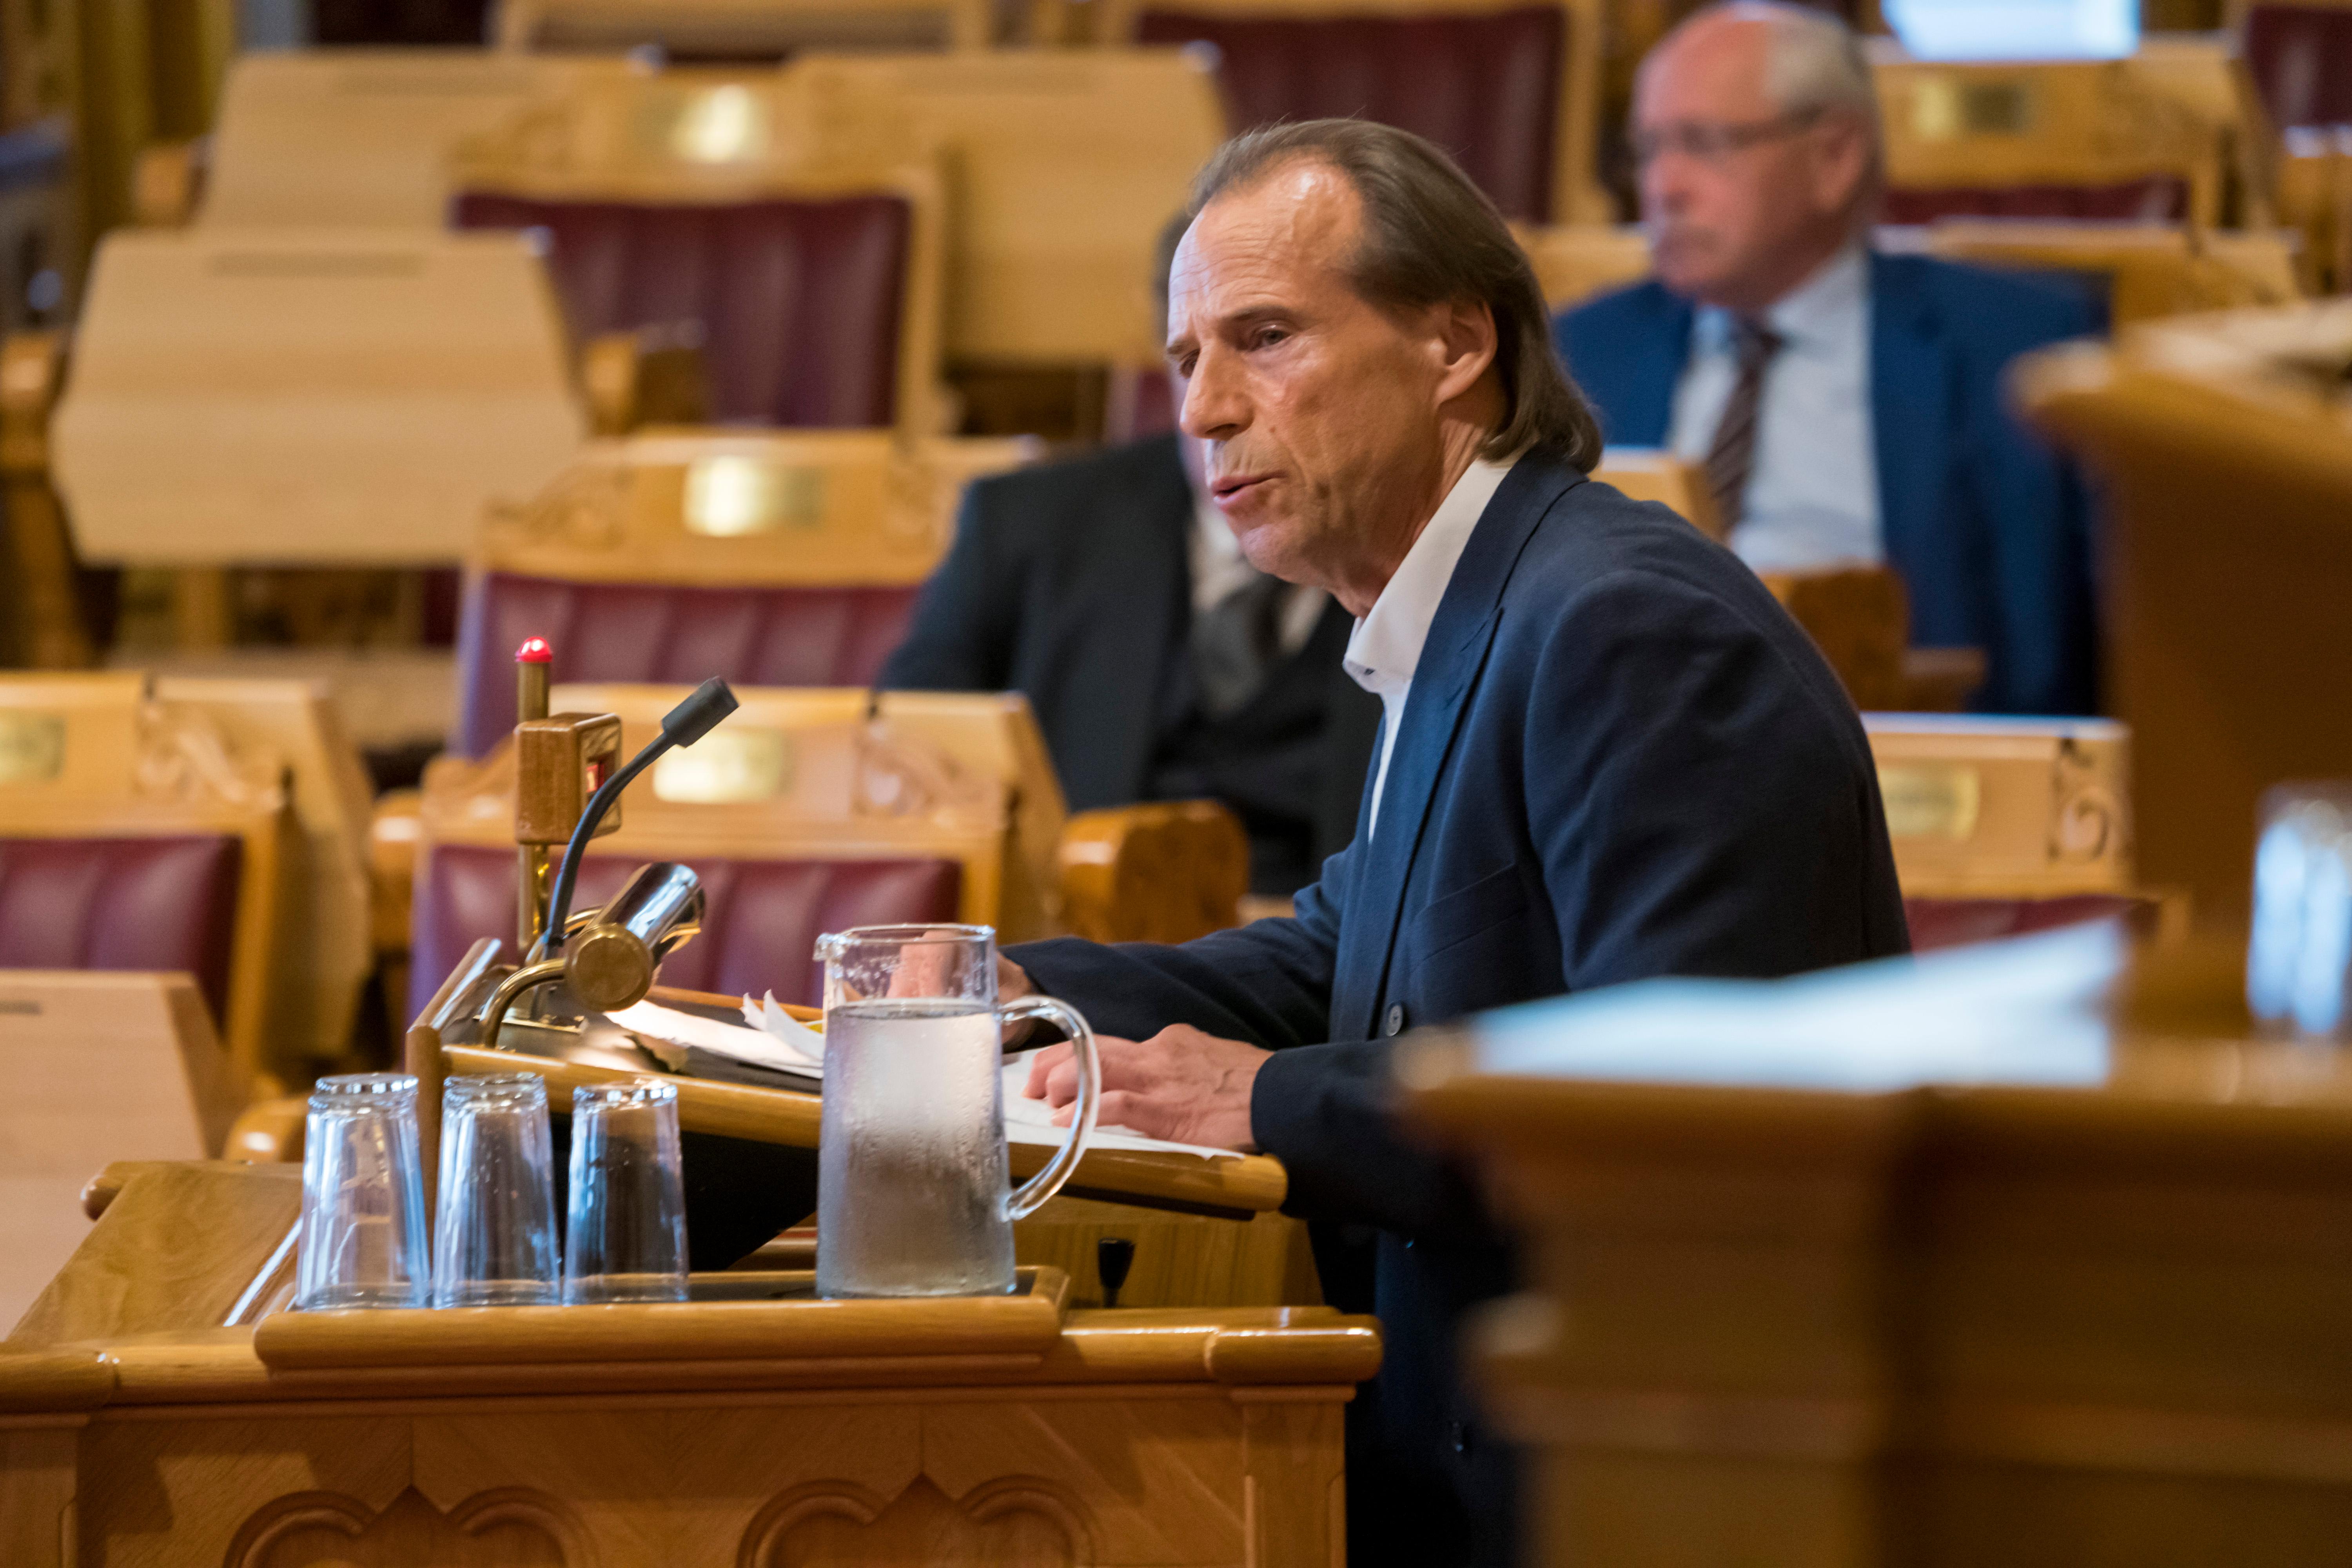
(1847, 405)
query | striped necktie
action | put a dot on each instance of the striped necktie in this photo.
(1733, 452)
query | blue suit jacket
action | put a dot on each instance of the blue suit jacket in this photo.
(1620, 759)
(1986, 526)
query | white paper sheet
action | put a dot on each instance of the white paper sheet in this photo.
(782, 1042)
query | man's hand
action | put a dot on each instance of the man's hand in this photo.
(1182, 1084)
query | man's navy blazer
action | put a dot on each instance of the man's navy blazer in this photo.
(1986, 526)
(1072, 584)
(1619, 759)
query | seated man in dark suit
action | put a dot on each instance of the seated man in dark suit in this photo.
(1607, 754)
(1162, 664)
(1848, 404)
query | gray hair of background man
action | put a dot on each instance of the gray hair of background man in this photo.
(1813, 64)
(1431, 238)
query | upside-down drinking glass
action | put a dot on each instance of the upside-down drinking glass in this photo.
(494, 1235)
(362, 1241)
(626, 1238)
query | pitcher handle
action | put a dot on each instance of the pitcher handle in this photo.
(1033, 1192)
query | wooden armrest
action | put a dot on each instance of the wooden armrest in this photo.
(44, 598)
(1166, 871)
(393, 830)
(167, 181)
(1859, 618)
(268, 1132)
(653, 375)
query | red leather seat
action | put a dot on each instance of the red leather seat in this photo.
(759, 927)
(2301, 59)
(666, 634)
(1955, 922)
(798, 300)
(165, 904)
(1485, 88)
(2162, 198)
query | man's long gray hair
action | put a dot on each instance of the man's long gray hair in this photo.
(1431, 238)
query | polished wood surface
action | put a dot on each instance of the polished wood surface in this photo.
(1916, 1264)
(1068, 164)
(2061, 123)
(1158, 871)
(1647, 473)
(2216, 640)
(1000, 1430)
(40, 593)
(1180, 1259)
(775, 1316)
(745, 29)
(178, 1247)
(1986, 807)
(313, 397)
(732, 508)
(361, 137)
(100, 1067)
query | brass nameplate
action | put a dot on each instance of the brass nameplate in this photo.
(1946, 108)
(32, 747)
(1930, 800)
(733, 763)
(730, 498)
(724, 125)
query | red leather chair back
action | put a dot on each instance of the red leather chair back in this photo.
(2163, 198)
(2301, 59)
(338, 22)
(167, 904)
(1956, 922)
(799, 302)
(668, 635)
(1485, 88)
(759, 932)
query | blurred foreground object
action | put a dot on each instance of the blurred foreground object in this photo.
(1936, 1260)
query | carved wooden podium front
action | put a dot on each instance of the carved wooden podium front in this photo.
(753, 1426)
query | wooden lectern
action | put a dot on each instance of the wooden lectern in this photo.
(154, 1409)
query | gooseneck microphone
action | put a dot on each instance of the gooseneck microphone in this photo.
(681, 726)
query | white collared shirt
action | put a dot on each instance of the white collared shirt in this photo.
(1812, 493)
(1220, 569)
(1386, 644)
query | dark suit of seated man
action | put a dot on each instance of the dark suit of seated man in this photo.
(1607, 754)
(1848, 404)
(1161, 666)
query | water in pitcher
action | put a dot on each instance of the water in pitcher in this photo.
(911, 1200)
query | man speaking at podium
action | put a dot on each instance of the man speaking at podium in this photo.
(1606, 754)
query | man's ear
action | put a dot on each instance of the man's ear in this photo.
(1466, 345)
(1841, 164)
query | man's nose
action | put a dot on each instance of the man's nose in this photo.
(1666, 182)
(1215, 407)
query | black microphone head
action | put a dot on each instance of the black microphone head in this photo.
(694, 718)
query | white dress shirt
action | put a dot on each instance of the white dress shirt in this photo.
(1812, 494)
(1219, 569)
(1386, 644)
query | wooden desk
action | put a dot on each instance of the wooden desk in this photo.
(1006, 1430)
(312, 397)
(1918, 1265)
